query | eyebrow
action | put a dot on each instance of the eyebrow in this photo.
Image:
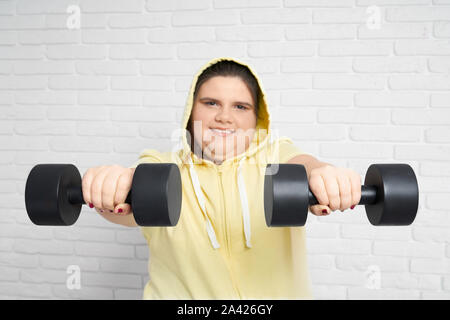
(240, 102)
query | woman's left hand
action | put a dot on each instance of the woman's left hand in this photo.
(335, 189)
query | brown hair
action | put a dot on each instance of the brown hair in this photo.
(227, 68)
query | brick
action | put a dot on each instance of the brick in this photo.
(135, 51)
(292, 115)
(172, 68)
(43, 128)
(158, 130)
(111, 280)
(112, 6)
(391, 99)
(437, 202)
(318, 4)
(395, 31)
(177, 35)
(112, 98)
(177, 5)
(6, 98)
(316, 65)
(340, 15)
(137, 145)
(319, 32)
(275, 16)
(437, 134)
(434, 169)
(80, 144)
(338, 246)
(130, 236)
(435, 295)
(362, 263)
(430, 266)
(431, 234)
(107, 130)
(206, 51)
(107, 68)
(249, 33)
(286, 81)
(284, 49)
(63, 262)
(440, 100)
(142, 252)
(320, 99)
(354, 48)
(313, 132)
(42, 7)
(112, 250)
(23, 143)
(85, 293)
(419, 13)
(77, 82)
(226, 4)
(441, 29)
(87, 21)
(23, 290)
(9, 274)
(49, 37)
(359, 82)
(157, 83)
(351, 116)
(23, 82)
(205, 18)
(421, 117)
(385, 133)
(7, 8)
(43, 247)
(77, 113)
(152, 114)
(358, 293)
(84, 234)
(418, 82)
(390, 2)
(24, 232)
(113, 36)
(356, 150)
(331, 292)
(391, 65)
(337, 277)
(8, 38)
(371, 233)
(408, 249)
(21, 53)
(76, 52)
(413, 47)
(128, 294)
(123, 266)
(18, 260)
(439, 65)
(320, 261)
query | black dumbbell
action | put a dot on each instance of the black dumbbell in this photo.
(390, 194)
(53, 194)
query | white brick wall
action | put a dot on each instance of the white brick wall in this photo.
(349, 94)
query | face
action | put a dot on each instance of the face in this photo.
(223, 118)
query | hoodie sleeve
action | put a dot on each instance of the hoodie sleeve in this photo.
(284, 150)
(148, 156)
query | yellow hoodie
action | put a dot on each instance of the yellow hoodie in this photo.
(221, 247)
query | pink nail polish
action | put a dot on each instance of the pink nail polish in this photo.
(91, 205)
(120, 210)
(352, 207)
(324, 211)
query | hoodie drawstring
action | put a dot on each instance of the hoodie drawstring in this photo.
(201, 200)
(244, 204)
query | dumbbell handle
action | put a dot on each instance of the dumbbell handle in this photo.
(368, 196)
(75, 196)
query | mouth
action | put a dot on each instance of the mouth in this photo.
(222, 132)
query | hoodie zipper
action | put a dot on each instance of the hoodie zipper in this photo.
(227, 240)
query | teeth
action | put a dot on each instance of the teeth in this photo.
(223, 131)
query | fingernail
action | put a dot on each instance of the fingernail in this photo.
(91, 205)
(324, 211)
(352, 207)
(101, 210)
(111, 211)
(120, 210)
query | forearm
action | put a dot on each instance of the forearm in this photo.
(309, 162)
(127, 220)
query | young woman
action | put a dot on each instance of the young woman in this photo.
(221, 247)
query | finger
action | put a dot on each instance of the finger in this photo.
(96, 187)
(109, 188)
(86, 186)
(332, 186)
(356, 188)
(122, 209)
(317, 187)
(320, 210)
(345, 191)
(123, 187)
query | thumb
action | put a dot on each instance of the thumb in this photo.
(122, 209)
(320, 210)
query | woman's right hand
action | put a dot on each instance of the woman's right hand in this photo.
(107, 187)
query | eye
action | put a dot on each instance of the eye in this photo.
(243, 108)
(208, 103)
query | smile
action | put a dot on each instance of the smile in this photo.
(222, 133)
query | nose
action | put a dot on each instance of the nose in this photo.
(223, 115)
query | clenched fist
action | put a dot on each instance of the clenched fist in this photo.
(107, 187)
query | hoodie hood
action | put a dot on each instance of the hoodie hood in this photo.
(259, 141)
(262, 129)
